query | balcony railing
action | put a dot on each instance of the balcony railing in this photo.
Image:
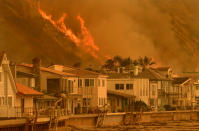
(30, 111)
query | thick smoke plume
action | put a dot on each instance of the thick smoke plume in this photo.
(165, 30)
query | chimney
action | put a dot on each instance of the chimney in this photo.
(36, 62)
(135, 70)
(13, 69)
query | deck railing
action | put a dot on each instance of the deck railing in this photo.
(30, 112)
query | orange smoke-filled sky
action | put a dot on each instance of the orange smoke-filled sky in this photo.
(165, 30)
(159, 29)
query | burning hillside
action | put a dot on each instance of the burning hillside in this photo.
(86, 43)
(27, 31)
(60, 31)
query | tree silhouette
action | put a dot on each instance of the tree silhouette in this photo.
(109, 64)
(145, 61)
(77, 64)
(117, 60)
(126, 62)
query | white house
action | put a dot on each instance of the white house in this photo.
(11, 94)
(7, 88)
(147, 85)
(125, 87)
(186, 92)
(91, 86)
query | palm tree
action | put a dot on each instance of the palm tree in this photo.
(145, 61)
(126, 62)
(135, 62)
(109, 64)
(117, 60)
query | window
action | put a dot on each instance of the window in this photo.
(86, 102)
(89, 82)
(129, 86)
(64, 85)
(70, 86)
(119, 86)
(0, 76)
(101, 101)
(103, 83)
(197, 87)
(86, 82)
(80, 82)
(10, 101)
(153, 90)
(99, 84)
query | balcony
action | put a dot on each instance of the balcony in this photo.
(18, 112)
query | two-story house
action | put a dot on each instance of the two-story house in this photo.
(91, 86)
(196, 85)
(126, 87)
(147, 85)
(82, 88)
(123, 89)
(159, 83)
(185, 92)
(15, 98)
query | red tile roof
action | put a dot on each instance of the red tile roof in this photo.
(24, 90)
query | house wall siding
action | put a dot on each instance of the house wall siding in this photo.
(10, 89)
(141, 90)
(140, 87)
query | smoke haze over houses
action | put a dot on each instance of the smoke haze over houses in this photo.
(166, 30)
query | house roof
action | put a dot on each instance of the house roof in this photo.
(78, 71)
(163, 68)
(150, 74)
(48, 70)
(125, 95)
(180, 80)
(24, 90)
(153, 75)
(82, 72)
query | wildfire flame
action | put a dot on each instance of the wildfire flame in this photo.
(85, 41)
